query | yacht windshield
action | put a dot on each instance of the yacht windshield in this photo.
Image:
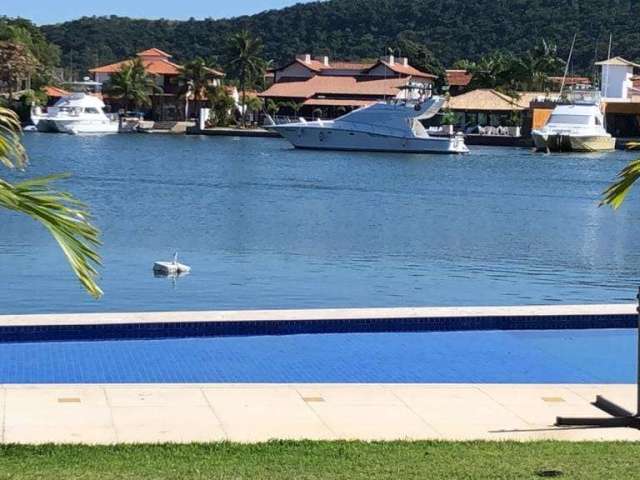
(569, 119)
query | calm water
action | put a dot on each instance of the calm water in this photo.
(266, 226)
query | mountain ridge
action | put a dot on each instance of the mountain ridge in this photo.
(354, 29)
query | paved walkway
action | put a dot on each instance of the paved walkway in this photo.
(104, 414)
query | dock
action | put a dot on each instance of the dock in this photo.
(233, 132)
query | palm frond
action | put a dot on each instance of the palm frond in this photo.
(616, 193)
(12, 153)
(65, 217)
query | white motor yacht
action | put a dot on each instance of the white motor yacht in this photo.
(77, 113)
(579, 127)
(381, 127)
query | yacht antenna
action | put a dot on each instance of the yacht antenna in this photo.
(595, 68)
(385, 78)
(566, 67)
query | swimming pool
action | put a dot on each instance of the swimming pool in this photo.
(532, 356)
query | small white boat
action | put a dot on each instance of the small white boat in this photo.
(380, 127)
(173, 268)
(577, 127)
(77, 113)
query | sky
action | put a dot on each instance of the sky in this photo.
(54, 11)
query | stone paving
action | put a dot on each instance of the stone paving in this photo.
(106, 414)
(311, 314)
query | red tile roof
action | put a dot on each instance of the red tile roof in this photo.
(156, 67)
(55, 92)
(313, 65)
(154, 52)
(361, 67)
(458, 78)
(337, 102)
(155, 62)
(406, 70)
(358, 66)
(335, 85)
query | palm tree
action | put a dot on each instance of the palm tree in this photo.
(534, 68)
(253, 104)
(294, 106)
(133, 84)
(66, 218)
(195, 81)
(509, 74)
(616, 193)
(246, 62)
(272, 106)
(222, 104)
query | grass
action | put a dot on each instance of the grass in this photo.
(325, 460)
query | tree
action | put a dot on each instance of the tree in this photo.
(408, 44)
(246, 63)
(196, 81)
(66, 218)
(222, 106)
(495, 70)
(294, 106)
(510, 73)
(133, 84)
(271, 106)
(253, 104)
(16, 64)
(359, 29)
(23, 31)
(533, 69)
(45, 55)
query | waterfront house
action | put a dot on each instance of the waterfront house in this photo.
(620, 90)
(320, 87)
(166, 105)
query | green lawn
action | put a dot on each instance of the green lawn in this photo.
(326, 460)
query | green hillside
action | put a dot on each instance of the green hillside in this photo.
(348, 29)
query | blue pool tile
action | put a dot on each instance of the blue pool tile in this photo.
(530, 356)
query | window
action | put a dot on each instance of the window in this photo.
(569, 119)
(91, 110)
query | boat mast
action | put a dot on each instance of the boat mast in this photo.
(566, 67)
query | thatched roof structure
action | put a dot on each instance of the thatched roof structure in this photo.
(490, 100)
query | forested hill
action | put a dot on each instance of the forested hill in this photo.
(349, 29)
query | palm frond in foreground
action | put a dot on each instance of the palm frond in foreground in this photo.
(618, 191)
(66, 218)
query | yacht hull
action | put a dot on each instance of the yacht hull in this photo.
(84, 127)
(573, 143)
(346, 140)
(46, 126)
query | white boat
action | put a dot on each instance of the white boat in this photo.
(579, 127)
(380, 127)
(77, 113)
